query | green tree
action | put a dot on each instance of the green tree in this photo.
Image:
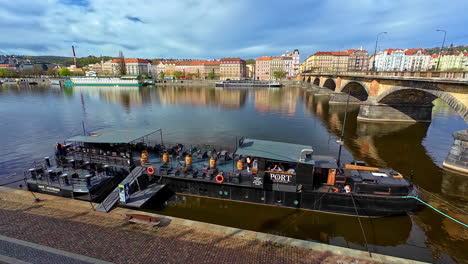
(279, 75)
(212, 75)
(162, 75)
(250, 61)
(7, 73)
(178, 74)
(144, 76)
(64, 72)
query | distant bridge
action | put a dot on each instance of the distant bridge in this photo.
(395, 96)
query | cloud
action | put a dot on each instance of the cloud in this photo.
(218, 28)
(134, 19)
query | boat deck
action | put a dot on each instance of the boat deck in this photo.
(77, 179)
(199, 168)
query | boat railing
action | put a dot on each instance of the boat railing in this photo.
(188, 148)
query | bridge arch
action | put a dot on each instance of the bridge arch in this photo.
(357, 90)
(399, 95)
(330, 84)
(308, 79)
(317, 81)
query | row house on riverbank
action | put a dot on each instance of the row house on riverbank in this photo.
(232, 68)
(193, 69)
(401, 60)
(336, 61)
(457, 60)
(265, 67)
(132, 66)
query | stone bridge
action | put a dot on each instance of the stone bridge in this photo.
(394, 98)
(401, 98)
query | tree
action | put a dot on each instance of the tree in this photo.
(250, 61)
(122, 67)
(6, 73)
(162, 75)
(52, 72)
(212, 75)
(279, 75)
(64, 72)
(144, 76)
(178, 74)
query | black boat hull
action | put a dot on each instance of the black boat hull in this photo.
(338, 203)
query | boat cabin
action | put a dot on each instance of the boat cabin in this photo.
(293, 168)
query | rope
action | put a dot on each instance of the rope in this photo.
(360, 224)
(437, 210)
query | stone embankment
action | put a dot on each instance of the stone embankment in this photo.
(71, 229)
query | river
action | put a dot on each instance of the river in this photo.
(33, 118)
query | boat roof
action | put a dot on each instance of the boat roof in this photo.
(273, 150)
(112, 135)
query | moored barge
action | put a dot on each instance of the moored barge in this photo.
(247, 84)
(261, 172)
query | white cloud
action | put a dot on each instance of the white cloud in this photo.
(216, 28)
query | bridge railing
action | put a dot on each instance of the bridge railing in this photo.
(459, 75)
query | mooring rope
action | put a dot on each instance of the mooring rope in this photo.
(437, 210)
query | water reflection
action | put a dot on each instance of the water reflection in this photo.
(38, 116)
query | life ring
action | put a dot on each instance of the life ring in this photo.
(219, 178)
(150, 170)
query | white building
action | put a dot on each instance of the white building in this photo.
(417, 60)
(291, 63)
(133, 66)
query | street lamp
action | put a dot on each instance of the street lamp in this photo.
(443, 42)
(375, 49)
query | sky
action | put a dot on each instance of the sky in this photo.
(209, 29)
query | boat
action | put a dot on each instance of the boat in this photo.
(247, 84)
(87, 169)
(124, 80)
(304, 180)
(253, 171)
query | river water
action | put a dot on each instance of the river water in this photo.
(33, 118)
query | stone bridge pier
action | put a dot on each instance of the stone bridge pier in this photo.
(457, 158)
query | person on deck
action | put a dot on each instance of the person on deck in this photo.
(347, 189)
(248, 161)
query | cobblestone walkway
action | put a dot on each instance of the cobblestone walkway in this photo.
(101, 236)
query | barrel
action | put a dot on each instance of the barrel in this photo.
(144, 157)
(188, 160)
(165, 158)
(240, 165)
(212, 163)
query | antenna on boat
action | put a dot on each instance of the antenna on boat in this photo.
(84, 130)
(341, 141)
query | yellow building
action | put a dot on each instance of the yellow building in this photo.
(451, 61)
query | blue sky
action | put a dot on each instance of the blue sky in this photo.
(216, 28)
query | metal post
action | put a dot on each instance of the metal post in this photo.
(338, 161)
(440, 51)
(375, 50)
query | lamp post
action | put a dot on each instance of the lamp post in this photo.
(375, 49)
(440, 51)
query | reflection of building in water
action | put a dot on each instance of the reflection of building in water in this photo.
(276, 100)
(126, 96)
(229, 99)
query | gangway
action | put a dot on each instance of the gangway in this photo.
(113, 197)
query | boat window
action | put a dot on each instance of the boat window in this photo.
(279, 166)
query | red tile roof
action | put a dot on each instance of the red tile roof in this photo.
(414, 51)
(264, 58)
(131, 60)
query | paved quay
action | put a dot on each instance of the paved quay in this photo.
(60, 230)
